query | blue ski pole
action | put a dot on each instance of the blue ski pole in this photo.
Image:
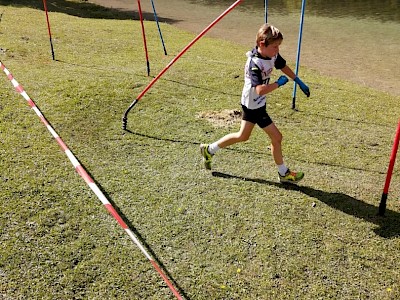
(158, 25)
(303, 6)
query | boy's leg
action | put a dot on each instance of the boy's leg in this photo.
(207, 151)
(285, 175)
(241, 136)
(276, 142)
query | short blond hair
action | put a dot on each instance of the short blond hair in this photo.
(268, 34)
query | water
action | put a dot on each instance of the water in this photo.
(380, 10)
(354, 40)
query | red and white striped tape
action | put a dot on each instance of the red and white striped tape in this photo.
(82, 172)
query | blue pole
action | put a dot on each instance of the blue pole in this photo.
(303, 6)
(266, 11)
(158, 25)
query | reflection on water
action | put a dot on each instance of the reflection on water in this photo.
(380, 10)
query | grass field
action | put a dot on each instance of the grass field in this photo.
(233, 233)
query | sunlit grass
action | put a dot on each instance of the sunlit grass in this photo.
(234, 233)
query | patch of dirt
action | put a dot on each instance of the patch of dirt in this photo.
(226, 117)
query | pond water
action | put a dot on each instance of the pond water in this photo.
(380, 10)
(355, 40)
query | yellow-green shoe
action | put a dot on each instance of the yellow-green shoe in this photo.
(291, 177)
(207, 157)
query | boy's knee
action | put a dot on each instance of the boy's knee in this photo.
(277, 139)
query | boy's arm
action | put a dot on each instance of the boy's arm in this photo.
(288, 71)
(263, 89)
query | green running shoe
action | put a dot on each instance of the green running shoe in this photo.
(291, 177)
(207, 157)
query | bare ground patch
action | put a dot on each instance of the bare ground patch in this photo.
(226, 117)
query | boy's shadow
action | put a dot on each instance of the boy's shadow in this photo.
(389, 225)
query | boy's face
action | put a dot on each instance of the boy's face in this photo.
(271, 50)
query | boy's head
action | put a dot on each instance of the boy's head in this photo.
(268, 34)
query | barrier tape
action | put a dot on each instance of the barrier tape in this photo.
(90, 182)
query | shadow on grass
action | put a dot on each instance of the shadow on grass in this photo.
(144, 76)
(341, 119)
(141, 240)
(86, 10)
(389, 225)
(249, 151)
(148, 248)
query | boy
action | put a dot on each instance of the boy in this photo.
(260, 63)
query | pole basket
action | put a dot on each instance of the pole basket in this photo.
(382, 205)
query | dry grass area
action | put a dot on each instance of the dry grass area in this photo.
(226, 117)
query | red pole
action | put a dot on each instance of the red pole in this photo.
(48, 29)
(382, 205)
(124, 120)
(144, 38)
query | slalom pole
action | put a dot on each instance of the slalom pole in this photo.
(303, 7)
(266, 11)
(382, 205)
(48, 29)
(125, 117)
(90, 182)
(144, 37)
(158, 26)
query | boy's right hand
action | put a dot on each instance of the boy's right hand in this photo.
(282, 80)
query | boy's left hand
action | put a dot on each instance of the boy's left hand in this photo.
(303, 86)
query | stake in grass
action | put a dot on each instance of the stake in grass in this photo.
(382, 205)
(144, 37)
(48, 29)
(158, 26)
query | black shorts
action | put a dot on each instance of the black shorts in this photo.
(257, 116)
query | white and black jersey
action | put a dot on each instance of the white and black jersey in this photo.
(257, 71)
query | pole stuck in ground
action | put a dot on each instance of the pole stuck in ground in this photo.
(303, 7)
(90, 182)
(48, 29)
(144, 37)
(158, 26)
(125, 117)
(382, 205)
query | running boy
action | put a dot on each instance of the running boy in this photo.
(260, 63)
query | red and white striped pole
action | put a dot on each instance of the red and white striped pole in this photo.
(382, 205)
(82, 172)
